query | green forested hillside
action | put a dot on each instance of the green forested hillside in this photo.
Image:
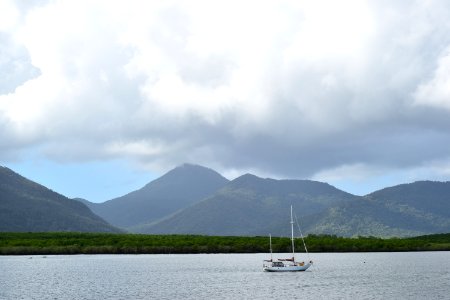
(250, 205)
(28, 206)
(254, 206)
(417, 208)
(420, 197)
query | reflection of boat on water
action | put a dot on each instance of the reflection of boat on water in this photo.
(287, 264)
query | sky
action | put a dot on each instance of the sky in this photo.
(97, 98)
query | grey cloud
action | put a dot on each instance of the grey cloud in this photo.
(320, 114)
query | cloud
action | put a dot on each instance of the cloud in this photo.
(15, 65)
(436, 91)
(288, 88)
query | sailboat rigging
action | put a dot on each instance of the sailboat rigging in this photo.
(286, 264)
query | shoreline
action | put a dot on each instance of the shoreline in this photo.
(73, 243)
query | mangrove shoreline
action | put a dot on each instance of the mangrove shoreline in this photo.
(53, 243)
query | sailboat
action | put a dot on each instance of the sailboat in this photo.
(286, 264)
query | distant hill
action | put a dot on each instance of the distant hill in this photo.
(417, 208)
(250, 205)
(173, 191)
(31, 207)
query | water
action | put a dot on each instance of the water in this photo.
(412, 275)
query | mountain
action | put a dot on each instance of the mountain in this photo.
(192, 199)
(250, 205)
(173, 191)
(28, 206)
(417, 208)
(84, 201)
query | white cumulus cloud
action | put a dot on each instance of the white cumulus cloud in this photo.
(291, 88)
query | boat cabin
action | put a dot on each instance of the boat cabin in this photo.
(277, 264)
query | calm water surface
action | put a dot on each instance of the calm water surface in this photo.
(412, 275)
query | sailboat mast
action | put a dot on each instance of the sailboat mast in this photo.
(270, 238)
(292, 236)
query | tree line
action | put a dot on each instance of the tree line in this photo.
(108, 243)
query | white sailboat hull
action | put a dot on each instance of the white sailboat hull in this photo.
(288, 268)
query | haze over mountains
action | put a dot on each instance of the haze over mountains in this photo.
(173, 191)
(192, 199)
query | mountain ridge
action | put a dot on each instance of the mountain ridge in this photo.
(167, 194)
(192, 199)
(28, 206)
(401, 210)
(252, 202)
